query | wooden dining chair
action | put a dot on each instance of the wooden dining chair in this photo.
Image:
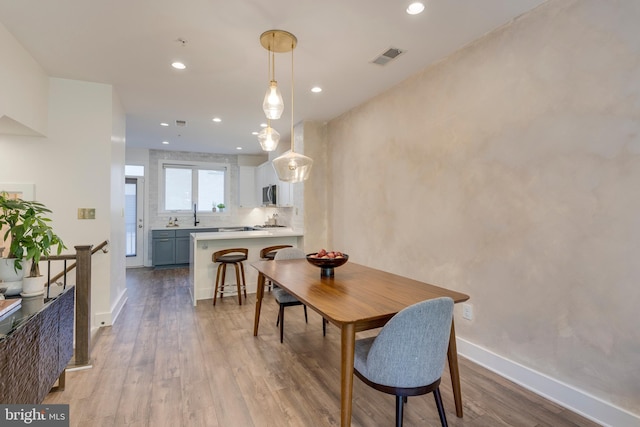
(407, 357)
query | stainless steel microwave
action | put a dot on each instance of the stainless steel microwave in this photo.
(270, 195)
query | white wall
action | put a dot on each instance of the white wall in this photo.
(76, 166)
(510, 171)
(24, 87)
(118, 289)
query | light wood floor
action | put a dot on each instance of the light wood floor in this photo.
(165, 363)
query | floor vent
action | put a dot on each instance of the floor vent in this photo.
(389, 55)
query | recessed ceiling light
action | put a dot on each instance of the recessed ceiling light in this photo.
(217, 119)
(164, 124)
(178, 65)
(316, 89)
(415, 8)
(263, 125)
(238, 148)
(255, 133)
(165, 142)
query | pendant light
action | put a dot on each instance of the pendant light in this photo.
(290, 167)
(274, 41)
(268, 137)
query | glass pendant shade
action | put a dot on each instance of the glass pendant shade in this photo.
(268, 138)
(273, 104)
(292, 167)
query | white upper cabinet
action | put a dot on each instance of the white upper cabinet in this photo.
(266, 175)
(247, 194)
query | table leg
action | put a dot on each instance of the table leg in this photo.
(348, 351)
(259, 294)
(452, 355)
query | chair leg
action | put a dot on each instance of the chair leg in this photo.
(224, 276)
(238, 285)
(215, 290)
(281, 318)
(324, 327)
(305, 314)
(438, 398)
(399, 404)
(244, 281)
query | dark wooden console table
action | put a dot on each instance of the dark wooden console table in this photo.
(35, 348)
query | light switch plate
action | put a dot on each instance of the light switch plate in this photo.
(86, 213)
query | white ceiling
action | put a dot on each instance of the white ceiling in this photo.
(131, 44)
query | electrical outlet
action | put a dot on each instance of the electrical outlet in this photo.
(467, 311)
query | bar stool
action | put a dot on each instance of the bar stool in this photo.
(269, 254)
(233, 256)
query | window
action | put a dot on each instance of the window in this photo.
(130, 215)
(133, 170)
(185, 185)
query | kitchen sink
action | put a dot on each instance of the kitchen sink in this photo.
(223, 229)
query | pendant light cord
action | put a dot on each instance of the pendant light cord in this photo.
(270, 72)
(292, 137)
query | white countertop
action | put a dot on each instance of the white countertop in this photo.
(226, 235)
(202, 271)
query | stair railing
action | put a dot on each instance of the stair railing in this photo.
(82, 265)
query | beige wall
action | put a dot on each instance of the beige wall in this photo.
(510, 171)
(312, 142)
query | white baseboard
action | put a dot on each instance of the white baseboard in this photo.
(565, 395)
(119, 305)
(107, 318)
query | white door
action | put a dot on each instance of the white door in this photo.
(134, 221)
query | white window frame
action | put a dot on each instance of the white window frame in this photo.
(194, 166)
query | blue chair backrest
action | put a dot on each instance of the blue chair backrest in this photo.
(289, 253)
(410, 350)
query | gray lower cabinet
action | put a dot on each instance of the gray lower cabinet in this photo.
(182, 246)
(171, 247)
(163, 251)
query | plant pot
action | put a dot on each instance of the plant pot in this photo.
(32, 286)
(8, 272)
(11, 279)
(11, 288)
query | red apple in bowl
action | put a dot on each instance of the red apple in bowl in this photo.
(327, 261)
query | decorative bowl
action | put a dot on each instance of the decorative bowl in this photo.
(327, 264)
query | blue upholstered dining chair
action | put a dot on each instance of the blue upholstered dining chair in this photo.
(407, 357)
(284, 298)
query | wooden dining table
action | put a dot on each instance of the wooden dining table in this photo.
(355, 299)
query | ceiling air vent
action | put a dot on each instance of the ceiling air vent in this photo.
(181, 123)
(389, 55)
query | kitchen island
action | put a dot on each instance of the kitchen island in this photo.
(202, 271)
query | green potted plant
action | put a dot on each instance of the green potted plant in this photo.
(221, 207)
(31, 235)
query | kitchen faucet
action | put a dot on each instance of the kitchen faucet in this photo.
(195, 215)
